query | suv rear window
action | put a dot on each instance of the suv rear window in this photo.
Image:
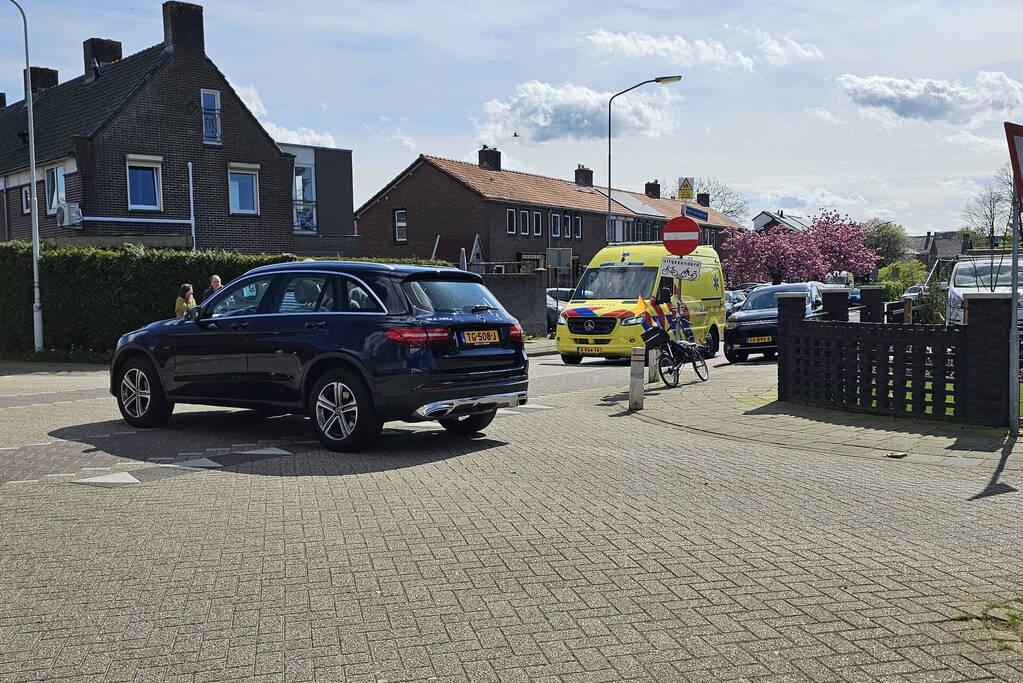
(448, 296)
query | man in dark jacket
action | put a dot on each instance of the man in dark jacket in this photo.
(212, 289)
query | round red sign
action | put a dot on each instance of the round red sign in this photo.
(681, 235)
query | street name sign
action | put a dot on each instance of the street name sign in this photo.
(680, 267)
(681, 235)
(696, 213)
(685, 188)
(559, 258)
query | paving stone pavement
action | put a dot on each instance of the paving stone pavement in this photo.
(741, 401)
(572, 543)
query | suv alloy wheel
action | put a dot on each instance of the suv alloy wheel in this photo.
(342, 412)
(140, 395)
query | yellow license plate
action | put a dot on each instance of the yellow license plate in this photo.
(760, 340)
(480, 337)
(588, 349)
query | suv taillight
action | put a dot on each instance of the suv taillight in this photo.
(419, 337)
(515, 333)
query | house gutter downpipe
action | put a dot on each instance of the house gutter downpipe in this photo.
(37, 304)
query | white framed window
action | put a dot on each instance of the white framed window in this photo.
(54, 188)
(499, 269)
(145, 185)
(578, 227)
(537, 224)
(567, 226)
(555, 224)
(524, 223)
(510, 217)
(400, 220)
(243, 186)
(26, 199)
(210, 116)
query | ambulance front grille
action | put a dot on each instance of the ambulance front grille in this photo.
(591, 325)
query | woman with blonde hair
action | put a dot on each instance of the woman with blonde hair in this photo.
(184, 301)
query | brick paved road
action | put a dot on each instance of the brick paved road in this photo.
(573, 544)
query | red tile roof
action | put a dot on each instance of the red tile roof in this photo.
(528, 188)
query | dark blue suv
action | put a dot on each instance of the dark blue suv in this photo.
(352, 345)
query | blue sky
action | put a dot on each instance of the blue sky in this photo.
(874, 109)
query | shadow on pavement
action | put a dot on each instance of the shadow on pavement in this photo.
(995, 487)
(967, 436)
(190, 435)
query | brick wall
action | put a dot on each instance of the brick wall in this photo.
(165, 119)
(21, 223)
(436, 204)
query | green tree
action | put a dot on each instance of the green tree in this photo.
(887, 239)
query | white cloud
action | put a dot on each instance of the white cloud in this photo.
(300, 136)
(392, 133)
(778, 49)
(992, 96)
(825, 115)
(972, 141)
(541, 112)
(250, 97)
(675, 50)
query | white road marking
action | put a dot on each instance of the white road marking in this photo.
(201, 463)
(267, 451)
(116, 478)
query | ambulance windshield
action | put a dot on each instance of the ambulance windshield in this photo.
(615, 282)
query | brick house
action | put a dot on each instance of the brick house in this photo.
(506, 220)
(118, 140)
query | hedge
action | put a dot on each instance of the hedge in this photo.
(92, 296)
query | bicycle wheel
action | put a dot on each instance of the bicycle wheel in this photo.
(700, 366)
(667, 369)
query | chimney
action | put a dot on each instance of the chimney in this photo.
(41, 78)
(3, 100)
(99, 52)
(653, 190)
(583, 176)
(703, 198)
(490, 158)
(182, 27)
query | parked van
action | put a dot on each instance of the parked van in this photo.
(601, 321)
(977, 274)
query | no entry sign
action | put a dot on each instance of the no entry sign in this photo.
(681, 235)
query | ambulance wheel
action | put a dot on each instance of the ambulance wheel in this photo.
(713, 343)
(571, 360)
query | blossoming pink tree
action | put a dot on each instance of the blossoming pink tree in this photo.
(831, 243)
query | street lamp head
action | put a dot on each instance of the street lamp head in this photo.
(667, 79)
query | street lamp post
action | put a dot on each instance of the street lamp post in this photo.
(659, 79)
(37, 305)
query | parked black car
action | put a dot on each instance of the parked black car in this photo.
(350, 344)
(753, 327)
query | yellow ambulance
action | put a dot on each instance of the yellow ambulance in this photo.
(601, 319)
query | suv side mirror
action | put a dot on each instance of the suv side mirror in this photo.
(943, 286)
(663, 296)
(192, 313)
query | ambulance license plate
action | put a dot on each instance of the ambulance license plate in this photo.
(588, 349)
(480, 337)
(760, 340)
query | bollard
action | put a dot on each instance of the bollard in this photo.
(907, 312)
(651, 371)
(636, 378)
